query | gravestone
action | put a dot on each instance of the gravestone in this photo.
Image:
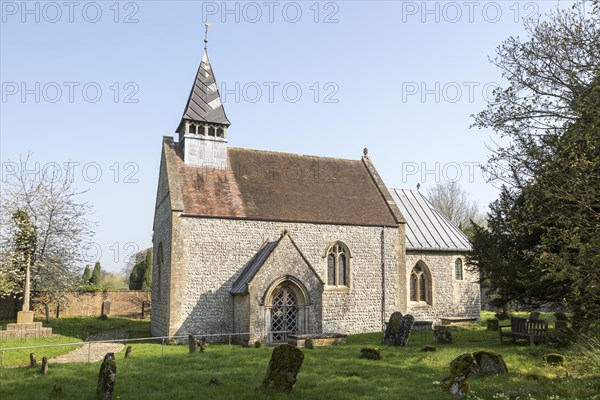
(215, 381)
(192, 344)
(32, 360)
(44, 370)
(398, 329)
(283, 368)
(107, 378)
(534, 316)
(105, 309)
(145, 308)
(461, 368)
(371, 353)
(442, 336)
(492, 324)
(128, 351)
(490, 362)
(202, 345)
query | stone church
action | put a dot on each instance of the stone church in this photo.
(264, 244)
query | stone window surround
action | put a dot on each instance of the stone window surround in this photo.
(428, 302)
(458, 269)
(349, 257)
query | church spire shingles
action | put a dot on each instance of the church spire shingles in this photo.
(204, 103)
(203, 127)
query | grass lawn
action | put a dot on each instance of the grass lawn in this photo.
(329, 373)
(68, 330)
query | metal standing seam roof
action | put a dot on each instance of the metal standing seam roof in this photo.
(204, 103)
(426, 227)
(241, 284)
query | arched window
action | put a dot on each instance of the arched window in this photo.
(458, 269)
(337, 265)
(220, 132)
(211, 131)
(159, 263)
(192, 128)
(420, 284)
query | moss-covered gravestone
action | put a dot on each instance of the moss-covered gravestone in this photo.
(44, 369)
(398, 329)
(490, 362)
(128, 351)
(192, 344)
(461, 368)
(372, 353)
(283, 368)
(442, 336)
(32, 360)
(107, 378)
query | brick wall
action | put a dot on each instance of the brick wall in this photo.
(123, 303)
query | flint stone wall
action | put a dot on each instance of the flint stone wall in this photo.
(450, 297)
(216, 250)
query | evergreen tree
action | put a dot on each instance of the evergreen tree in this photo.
(147, 279)
(87, 275)
(95, 279)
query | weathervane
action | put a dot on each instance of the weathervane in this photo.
(206, 26)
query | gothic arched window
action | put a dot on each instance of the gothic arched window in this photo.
(192, 128)
(458, 269)
(159, 263)
(420, 284)
(338, 269)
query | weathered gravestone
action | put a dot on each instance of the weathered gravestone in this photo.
(107, 378)
(192, 344)
(398, 329)
(105, 309)
(492, 324)
(442, 336)
(44, 370)
(283, 368)
(202, 345)
(461, 368)
(32, 360)
(128, 351)
(371, 353)
(490, 362)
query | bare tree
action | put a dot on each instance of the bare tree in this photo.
(61, 224)
(452, 201)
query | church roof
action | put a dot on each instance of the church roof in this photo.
(204, 102)
(426, 227)
(241, 284)
(263, 185)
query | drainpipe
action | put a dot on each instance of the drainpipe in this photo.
(383, 277)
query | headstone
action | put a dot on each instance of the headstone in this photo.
(44, 370)
(490, 362)
(107, 378)
(283, 368)
(492, 324)
(128, 351)
(371, 353)
(105, 309)
(257, 344)
(442, 336)
(193, 345)
(58, 389)
(145, 308)
(32, 360)
(534, 316)
(554, 359)
(202, 345)
(398, 329)
(215, 381)
(461, 368)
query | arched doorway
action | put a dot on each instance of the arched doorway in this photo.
(284, 314)
(287, 309)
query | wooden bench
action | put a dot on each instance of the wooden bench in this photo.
(534, 331)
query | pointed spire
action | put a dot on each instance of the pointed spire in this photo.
(204, 102)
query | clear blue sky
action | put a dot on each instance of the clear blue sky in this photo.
(401, 78)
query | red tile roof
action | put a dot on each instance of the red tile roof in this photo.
(262, 185)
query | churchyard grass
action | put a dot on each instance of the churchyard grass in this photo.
(331, 373)
(69, 330)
